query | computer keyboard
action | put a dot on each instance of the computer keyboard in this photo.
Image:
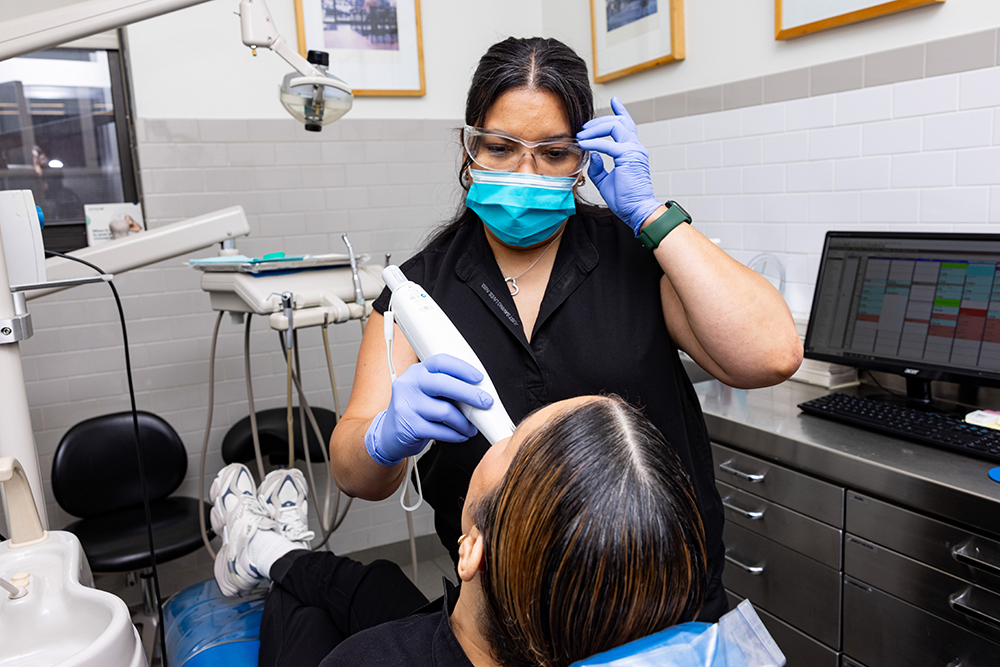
(927, 428)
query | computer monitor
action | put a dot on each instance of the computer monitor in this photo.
(923, 305)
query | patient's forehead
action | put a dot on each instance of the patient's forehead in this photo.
(545, 414)
(495, 463)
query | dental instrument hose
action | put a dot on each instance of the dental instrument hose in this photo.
(338, 515)
(138, 451)
(329, 366)
(290, 418)
(324, 517)
(288, 305)
(254, 434)
(208, 432)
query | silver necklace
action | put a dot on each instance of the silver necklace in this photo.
(514, 289)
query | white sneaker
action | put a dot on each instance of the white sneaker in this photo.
(282, 494)
(236, 515)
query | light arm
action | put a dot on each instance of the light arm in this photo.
(258, 29)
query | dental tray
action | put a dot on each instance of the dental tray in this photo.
(244, 264)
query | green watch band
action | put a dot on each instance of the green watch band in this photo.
(653, 233)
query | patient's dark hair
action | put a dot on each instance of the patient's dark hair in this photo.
(593, 539)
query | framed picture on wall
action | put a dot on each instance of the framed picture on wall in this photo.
(632, 35)
(794, 18)
(374, 45)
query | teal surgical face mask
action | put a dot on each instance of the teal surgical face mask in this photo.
(521, 209)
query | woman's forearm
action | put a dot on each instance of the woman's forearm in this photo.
(730, 319)
(354, 471)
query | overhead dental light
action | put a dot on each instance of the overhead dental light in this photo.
(312, 95)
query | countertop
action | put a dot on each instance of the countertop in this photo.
(767, 423)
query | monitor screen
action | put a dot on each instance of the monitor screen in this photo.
(922, 305)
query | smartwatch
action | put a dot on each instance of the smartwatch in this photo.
(653, 233)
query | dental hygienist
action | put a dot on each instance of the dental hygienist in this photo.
(559, 298)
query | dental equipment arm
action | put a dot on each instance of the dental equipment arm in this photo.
(152, 246)
(67, 22)
(308, 106)
(305, 97)
(16, 433)
(258, 30)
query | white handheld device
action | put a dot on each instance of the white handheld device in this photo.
(430, 332)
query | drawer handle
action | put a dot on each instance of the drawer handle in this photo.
(749, 569)
(960, 602)
(964, 554)
(753, 515)
(753, 478)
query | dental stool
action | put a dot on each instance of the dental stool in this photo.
(272, 429)
(95, 476)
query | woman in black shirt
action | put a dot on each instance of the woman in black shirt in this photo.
(558, 298)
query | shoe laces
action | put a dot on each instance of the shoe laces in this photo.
(292, 525)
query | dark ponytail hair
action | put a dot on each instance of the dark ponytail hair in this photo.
(535, 63)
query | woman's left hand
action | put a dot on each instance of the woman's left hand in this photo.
(628, 188)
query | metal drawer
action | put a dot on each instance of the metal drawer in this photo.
(964, 604)
(953, 550)
(791, 586)
(884, 631)
(808, 495)
(800, 649)
(786, 527)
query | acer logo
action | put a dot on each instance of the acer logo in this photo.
(911, 371)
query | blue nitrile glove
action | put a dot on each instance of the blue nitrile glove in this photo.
(628, 188)
(422, 408)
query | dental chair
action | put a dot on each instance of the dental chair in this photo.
(95, 476)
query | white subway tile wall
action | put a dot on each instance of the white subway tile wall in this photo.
(912, 155)
(385, 183)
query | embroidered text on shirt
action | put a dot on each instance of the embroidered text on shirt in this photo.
(495, 300)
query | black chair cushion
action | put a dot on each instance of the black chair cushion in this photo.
(117, 542)
(272, 427)
(96, 471)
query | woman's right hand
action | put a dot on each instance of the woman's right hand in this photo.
(422, 408)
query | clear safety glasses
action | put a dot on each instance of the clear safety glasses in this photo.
(498, 151)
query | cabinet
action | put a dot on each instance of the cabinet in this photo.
(783, 539)
(918, 590)
(909, 535)
(843, 579)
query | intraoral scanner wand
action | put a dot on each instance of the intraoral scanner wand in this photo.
(430, 332)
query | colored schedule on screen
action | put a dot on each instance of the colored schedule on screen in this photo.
(935, 310)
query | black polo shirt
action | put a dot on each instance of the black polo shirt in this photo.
(423, 638)
(600, 329)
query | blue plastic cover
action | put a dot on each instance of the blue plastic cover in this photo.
(737, 640)
(203, 627)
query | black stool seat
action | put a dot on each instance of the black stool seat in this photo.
(95, 475)
(272, 428)
(117, 542)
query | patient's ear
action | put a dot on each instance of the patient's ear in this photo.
(470, 554)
